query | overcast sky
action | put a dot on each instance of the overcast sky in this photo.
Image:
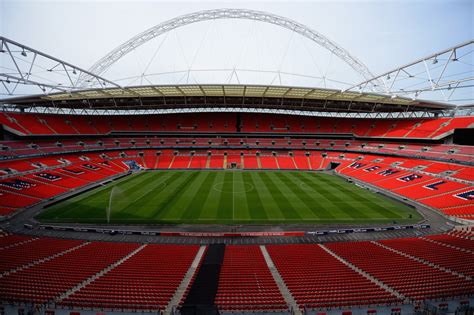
(382, 34)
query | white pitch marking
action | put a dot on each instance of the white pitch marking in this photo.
(233, 197)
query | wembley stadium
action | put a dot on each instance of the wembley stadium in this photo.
(234, 161)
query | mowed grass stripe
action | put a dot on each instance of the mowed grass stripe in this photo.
(240, 197)
(186, 196)
(311, 200)
(333, 185)
(91, 204)
(226, 201)
(278, 195)
(195, 207)
(368, 201)
(152, 201)
(342, 205)
(254, 203)
(226, 197)
(211, 203)
(168, 204)
(133, 200)
(326, 208)
(270, 205)
(302, 207)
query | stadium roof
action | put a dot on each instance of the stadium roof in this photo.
(222, 96)
(438, 83)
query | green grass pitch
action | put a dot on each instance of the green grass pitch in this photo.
(230, 197)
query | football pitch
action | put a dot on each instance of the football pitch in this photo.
(229, 197)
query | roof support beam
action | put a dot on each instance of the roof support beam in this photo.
(37, 70)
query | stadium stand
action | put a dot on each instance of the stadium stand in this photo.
(30, 252)
(452, 259)
(317, 280)
(40, 124)
(48, 279)
(135, 277)
(424, 186)
(245, 282)
(442, 185)
(448, 153)
(145, 281)
(414, 279)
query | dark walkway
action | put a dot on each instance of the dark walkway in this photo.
(201, 296)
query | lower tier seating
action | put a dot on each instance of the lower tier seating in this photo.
(246, 283)
(413, 279)
(318, 280)
(8, 240)
(454, 240)
(450, 258)
(446, 193)
(30, 252)
(146, 281)
(47, 280)
(133, 277)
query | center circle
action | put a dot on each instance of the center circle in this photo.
(305, 186)
(220, 187)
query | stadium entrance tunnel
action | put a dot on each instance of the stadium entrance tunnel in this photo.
(464, 136)
(332, 166)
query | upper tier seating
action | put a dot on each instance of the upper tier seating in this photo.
(48, 124)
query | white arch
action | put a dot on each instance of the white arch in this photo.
(104, 63)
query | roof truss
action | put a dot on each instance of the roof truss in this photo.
(26, 71)
(445, 76)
